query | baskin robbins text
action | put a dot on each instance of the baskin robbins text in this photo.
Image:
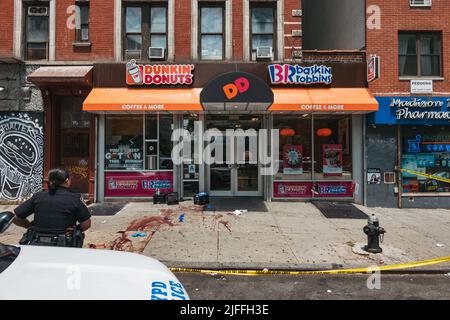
(295, 74)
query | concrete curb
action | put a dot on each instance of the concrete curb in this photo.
(443, 268)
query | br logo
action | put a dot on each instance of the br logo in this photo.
(240, 85)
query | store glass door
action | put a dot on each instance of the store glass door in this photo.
(238, 178)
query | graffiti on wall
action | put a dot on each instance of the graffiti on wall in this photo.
(21, 155)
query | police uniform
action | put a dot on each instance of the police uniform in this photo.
(54, 211)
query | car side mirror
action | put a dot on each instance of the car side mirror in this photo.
(6, 218)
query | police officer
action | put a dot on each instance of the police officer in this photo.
(54, 210)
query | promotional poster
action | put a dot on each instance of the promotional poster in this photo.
(332, 159)
(292, 159)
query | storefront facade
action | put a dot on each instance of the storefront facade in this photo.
(319, 119)
(68, 132)
(409, 152)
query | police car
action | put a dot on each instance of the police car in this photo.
(36, 272)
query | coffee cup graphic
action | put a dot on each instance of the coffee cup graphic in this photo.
(134, 71)
(19, 154)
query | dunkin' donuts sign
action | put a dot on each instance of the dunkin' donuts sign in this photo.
(159, 74)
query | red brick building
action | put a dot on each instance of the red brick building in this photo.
(411, 129)
(397, 17)
(73, 69)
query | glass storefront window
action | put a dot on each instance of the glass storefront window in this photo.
(191, 171)
(295, 147)
(151, 127)
(332, 148)
(331, 145)
(124, 143)
(165, 142)
(138, 142)
(426, 150)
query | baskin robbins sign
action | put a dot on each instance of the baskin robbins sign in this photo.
(159, 74)
(296, 74)
(412, 110)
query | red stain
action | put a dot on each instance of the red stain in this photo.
(226, 224)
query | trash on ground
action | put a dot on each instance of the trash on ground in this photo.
(329, 291)
(440, 245)
(238, 212)
(181, 218)
(104, 221)
(139, 234)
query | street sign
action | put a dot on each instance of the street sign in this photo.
(373, 68)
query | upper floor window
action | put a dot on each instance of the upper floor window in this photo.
(145, 27)
(211, 32)
(82, 30)
(37, 30)
(419, 54)
(262, 30)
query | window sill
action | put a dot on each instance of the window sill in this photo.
(408, 78)
(82, 44)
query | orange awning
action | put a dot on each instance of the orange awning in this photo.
(131, 100)
(324, 100)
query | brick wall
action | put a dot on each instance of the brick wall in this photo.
(6, 30)
(182, 30)
(101, 30)
(384, 42)
(237, 33)
(291, 23)
(101, 33)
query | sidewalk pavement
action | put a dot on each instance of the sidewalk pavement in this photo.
(277, 235)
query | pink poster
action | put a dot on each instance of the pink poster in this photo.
(332, 159)
(287, 189)
(137, 184)
(292, 189)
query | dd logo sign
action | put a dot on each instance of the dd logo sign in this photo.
(240, 85)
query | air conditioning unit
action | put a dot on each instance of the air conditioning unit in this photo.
(264, 53)
(133, 54)
(37, 11)
(156, 52)
(420, 3)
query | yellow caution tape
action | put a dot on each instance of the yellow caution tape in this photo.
(336, 271)
(429, 176)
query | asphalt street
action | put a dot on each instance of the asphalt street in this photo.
(316, 287)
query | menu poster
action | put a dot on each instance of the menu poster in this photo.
(123, 157)
(332, 159)
(292, 159)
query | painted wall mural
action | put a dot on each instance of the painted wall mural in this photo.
(21, 154)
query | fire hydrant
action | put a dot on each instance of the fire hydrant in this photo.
(374, 234)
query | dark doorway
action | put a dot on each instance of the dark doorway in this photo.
(73, 149)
